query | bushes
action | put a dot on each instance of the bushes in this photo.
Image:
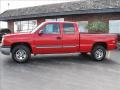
(97, 27)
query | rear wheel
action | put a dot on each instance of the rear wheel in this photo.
(21, 54)
(98, 53)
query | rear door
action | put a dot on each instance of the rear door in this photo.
(70, 37)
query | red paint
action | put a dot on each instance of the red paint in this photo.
(83, 42)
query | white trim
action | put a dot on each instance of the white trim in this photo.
(57, 46)
(49, 46)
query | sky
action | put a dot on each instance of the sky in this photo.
(13, 4)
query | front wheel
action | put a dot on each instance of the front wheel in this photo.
(21, 54)
(98, 53)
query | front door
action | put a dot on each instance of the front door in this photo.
(50, 39)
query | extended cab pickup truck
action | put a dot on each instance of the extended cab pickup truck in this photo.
(54, 38)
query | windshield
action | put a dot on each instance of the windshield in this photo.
(34, 30)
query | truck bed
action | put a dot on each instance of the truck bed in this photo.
(87, 40)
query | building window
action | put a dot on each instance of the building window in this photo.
(114, 26)
(60, 19)
(25, 26)
(83, 26)
(55, 19)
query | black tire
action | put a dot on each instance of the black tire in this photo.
(98, 53)
(21, 54)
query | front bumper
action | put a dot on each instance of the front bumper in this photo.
(5, 50)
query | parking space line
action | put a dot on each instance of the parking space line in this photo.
(109, 54)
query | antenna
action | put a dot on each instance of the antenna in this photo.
(8, 5)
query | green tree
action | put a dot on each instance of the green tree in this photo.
(97, 27)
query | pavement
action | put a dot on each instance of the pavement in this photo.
(61, 72)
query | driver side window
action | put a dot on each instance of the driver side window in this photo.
(51, 29)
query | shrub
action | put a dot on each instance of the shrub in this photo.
(97, 26)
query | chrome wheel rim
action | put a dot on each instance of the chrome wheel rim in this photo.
(21, 55)
(99, 54)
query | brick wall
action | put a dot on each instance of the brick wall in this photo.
(94, 17)
(85, 17)
(11, 26)
(40, 20)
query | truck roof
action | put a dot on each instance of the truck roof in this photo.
(59, 22)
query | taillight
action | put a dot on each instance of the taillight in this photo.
(114, 41)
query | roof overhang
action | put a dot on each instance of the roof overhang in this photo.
(83, 11)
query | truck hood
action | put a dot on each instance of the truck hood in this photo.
(18, 35)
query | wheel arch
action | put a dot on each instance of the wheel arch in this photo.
(104, 44)
(21, 43)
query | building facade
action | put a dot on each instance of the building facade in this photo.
(83, 12)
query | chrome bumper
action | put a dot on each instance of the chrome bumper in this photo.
(5, 50)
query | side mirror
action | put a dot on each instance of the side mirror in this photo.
(40, 32)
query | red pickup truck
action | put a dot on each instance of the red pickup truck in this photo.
(54, 38)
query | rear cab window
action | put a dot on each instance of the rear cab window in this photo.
(68, 28)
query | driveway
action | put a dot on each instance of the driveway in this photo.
(61, 72)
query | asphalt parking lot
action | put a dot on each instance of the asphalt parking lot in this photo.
(61, 72)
